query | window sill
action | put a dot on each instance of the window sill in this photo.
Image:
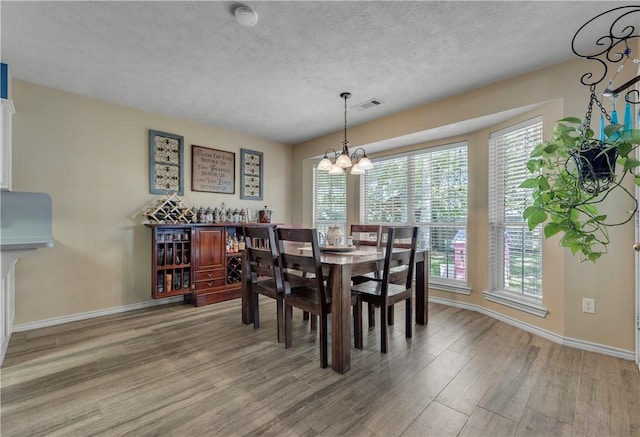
(450, 286)
(528, 305)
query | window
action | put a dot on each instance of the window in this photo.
(426, 188)
(329, 201)
(515, 259)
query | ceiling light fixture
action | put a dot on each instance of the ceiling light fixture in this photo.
(359, 164)
(246, 16)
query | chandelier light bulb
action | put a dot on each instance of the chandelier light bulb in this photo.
(365, 163)
(335, 170)
(344, 161)
(357, 169)
(325, 164)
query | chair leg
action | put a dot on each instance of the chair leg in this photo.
(324, 346)
(408, 321)
(314, 322)
(357, 324)
(372, 314)
(288, 311)
(384, 330)
(390, 318)
(280, 318)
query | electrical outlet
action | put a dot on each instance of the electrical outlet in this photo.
(588, 305)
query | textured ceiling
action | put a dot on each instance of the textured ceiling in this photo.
(282, 78)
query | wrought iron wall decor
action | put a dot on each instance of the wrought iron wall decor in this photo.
(575, 170)
(251, 174)
(596, 158)
(166, 157)
(612, 48)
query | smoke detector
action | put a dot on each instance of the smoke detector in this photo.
(246, 16)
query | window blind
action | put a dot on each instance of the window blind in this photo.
(329, 201)
(427, 188)
(515, 252)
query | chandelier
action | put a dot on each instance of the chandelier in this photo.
(359, 164)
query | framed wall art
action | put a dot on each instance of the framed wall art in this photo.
(166, 157)
(251, 169)
(213, 170)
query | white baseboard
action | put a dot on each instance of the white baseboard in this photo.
(92, 314)
(3, 347)
(551, 336)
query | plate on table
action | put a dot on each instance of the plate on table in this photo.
(337, 248)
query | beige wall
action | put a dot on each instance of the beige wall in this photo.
(565, 280)
(92, 157)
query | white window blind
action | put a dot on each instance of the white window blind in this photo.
(515, 252)
(426, 188)
(329, 201)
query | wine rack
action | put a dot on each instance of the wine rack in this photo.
(169, 209)
(234, 268)
(172, 261)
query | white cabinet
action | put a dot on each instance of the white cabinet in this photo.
(5, 144)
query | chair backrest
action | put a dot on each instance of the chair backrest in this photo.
(399, 242)
(262, 253)
(295, 259)
(365, 235)
(398, 265)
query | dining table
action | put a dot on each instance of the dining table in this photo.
(339, 266)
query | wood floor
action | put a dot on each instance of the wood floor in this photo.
(176, 370)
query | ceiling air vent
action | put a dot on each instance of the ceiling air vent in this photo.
(368, 104)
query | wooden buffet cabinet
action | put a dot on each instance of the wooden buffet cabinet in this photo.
(192, 260)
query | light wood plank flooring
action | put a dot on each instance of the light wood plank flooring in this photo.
(177, 370)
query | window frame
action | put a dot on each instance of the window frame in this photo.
(322, 226)
(498, 223)
(451, 284)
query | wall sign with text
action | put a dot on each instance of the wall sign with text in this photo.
(213, 170)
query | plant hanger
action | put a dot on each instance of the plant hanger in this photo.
(574, 172)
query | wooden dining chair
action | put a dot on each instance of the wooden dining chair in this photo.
(264, 272)
(396, 284)
(400, 243)
(312, 296)
(300, 277)
(366, 235)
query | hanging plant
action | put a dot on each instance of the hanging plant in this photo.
(571, 174)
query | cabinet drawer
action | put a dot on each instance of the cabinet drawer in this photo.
(210, 274)
(213, 283)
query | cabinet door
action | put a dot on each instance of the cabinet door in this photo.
(210, 248)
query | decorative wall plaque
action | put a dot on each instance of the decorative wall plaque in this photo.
(213, 170)
(166, 157)
(251, 168)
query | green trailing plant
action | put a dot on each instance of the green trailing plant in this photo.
(571, 174)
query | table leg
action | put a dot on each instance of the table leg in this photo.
(340, 277)
(247, 304)
(422, 288)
